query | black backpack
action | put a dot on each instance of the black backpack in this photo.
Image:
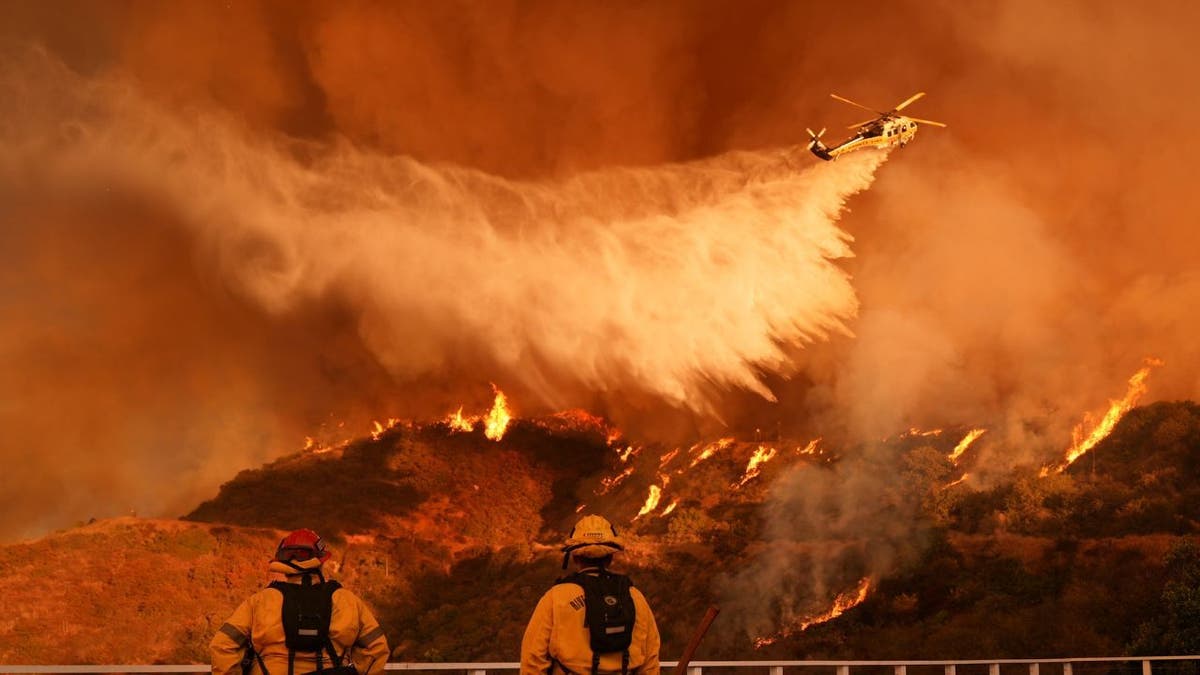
(307, 610)
(609, 613)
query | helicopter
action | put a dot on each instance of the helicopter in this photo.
(888, 130)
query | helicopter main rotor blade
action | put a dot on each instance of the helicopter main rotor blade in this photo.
(918, 119)
(861, 124)
(853, 103)
(909, 101)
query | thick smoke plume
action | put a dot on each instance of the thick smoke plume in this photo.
(1010, 271)
(672, 282)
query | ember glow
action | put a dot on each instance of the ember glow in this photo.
(841, 604)
(1083, 442)
(972, 436)
(607, 484)
(670, 507)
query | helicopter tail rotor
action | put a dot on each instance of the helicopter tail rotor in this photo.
(816, 138)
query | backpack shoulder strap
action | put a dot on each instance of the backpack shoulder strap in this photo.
(335, 659)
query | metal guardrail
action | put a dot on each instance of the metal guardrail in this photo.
(900, 667)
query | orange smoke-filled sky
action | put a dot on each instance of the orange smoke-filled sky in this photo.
(1011, 270)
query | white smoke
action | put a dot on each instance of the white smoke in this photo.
(668, 280)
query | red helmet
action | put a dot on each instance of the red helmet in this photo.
(302, 545)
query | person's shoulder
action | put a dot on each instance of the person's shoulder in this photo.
(344, 594)
(638, 596)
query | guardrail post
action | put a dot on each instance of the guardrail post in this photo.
(843, 670)
(993, 669)
(951, 669)
(778, 670)
(695, 670)
(1067, 668)
(1146, 667)
(1034, 668)
(476, 672)
(901, 670)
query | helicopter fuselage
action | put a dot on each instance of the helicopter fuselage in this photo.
(888, 132)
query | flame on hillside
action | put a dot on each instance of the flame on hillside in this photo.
(964, 477)
(761, 456)
(670, 507)
(666, 459)
(495, 422)
(841, 604)
(607, 484)
(378, 429)
(652, 500)
(457, 422)
(972, 436)
(810, 449)
(709, 450)
(1081, 442)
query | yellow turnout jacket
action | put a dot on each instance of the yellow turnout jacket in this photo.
(557, 640)
(352, 629)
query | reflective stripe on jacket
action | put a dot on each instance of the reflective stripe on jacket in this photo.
(556, 636)
(352, 628)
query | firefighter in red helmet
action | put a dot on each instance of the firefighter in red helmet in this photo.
(300, 623)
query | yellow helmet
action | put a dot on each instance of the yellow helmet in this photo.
(592, 537)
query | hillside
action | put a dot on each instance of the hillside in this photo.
(452, 537)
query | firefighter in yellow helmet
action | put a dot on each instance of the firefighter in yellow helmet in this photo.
(300, 623)
(592, 622)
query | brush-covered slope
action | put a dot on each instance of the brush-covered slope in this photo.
(452, 537)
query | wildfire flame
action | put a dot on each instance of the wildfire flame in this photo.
(956, 482)
(666, 459)
(607, 484)
(651, 501)
(457, 422)
(913, 431)
(761, 456)
(1116, 410)
(810, 449)
(972, 436)
(670, 507)
(497, 420)
(710, 450)
(841, 603)
(380, 428)
(628, 452)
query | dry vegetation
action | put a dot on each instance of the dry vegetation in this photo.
(449, 538)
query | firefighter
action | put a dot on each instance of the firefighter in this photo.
(300, 621)
(592, 622)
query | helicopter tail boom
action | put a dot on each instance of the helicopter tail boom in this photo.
(816, 146)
